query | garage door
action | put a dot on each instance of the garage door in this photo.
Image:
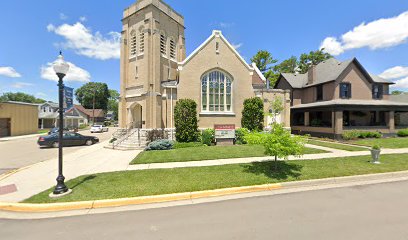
(4, 127)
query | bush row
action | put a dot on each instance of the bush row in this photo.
(355, 134)
(403, 133)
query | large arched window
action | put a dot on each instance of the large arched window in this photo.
(216, 92)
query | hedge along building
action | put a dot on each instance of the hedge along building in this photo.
(155, 73)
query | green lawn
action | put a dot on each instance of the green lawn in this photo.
(336, 146)
(397, 142)
(42, 131)
(165, 181)
(205, 153)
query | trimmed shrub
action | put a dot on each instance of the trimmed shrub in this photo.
(83, 126)
(162, 144)
(178, 145)
(240, 134)
(403, 133)
(156, 134)
(185, 119)
(253, 114)
(208, 137)
(354, 134)
(113, 140)
(256, 138)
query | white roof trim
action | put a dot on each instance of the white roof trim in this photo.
(258, 72)
(216, 33)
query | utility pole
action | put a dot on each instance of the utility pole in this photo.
(93, 107)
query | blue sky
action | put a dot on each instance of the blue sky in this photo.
(32, 33)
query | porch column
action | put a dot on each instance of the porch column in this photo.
(338, 122)
(391, 121)
(307, 119)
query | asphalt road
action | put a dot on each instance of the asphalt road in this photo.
(23, 152)
(361, 212)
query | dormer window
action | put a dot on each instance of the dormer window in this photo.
(345, 90)
(377, 91)
(163, 44)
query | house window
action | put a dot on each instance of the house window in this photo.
(172, 49)
(377, 91)
(141, 42)
(319, 93)
(163, 44)
(133, 44)
(216, 92)
(345, 90)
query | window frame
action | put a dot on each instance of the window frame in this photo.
(348, 95)
(217, 105)
(133, 44)
(319, 89)
(380, 93)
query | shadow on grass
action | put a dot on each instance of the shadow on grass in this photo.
(88, 178)
(277, 170)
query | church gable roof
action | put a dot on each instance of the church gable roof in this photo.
(216, 34)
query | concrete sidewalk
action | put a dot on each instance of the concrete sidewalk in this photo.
(335, 153)
(41, 176)
(96, 159)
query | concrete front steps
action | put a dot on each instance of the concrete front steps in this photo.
(130, 141)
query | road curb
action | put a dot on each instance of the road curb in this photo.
(190, 196)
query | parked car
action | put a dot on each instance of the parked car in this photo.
(99, 129)
(69, 139)
(55, 130)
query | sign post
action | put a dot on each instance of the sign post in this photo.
(224, 134)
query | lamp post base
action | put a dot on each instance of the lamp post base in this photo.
(60, 188)
(53, 195)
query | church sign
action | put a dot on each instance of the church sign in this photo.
(224, 131)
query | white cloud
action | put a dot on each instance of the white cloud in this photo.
(83, 19)
(226, 24)
(41, 94)
(62, 16)
(75, 74)
(20, 85)
(395, 72)
(237, 46)
(84, 42)
(381, 33)
(9, 72)
(398, 74)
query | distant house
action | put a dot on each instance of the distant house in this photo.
(333, 97)
(97, 115)
(18, 118)
(48, 116)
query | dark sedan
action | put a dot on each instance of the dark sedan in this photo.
(69, 139)
(55, 130)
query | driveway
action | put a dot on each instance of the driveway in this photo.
(19, 153)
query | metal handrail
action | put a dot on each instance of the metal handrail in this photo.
(127, 135)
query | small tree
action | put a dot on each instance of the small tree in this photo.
(253, 114)
(185, 120)
(277, 107)
(281, 144)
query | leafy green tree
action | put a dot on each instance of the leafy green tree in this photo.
(113, 103)
(280, 143)
(265, 62)
(397, 92)
(85, 95)
(185, 120)
(287, 66)
(253, 114)
(312, 58)
(277, 107)
(20, 97)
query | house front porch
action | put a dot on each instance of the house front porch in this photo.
(332, 120)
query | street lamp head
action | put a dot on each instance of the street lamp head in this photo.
(60, 66)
